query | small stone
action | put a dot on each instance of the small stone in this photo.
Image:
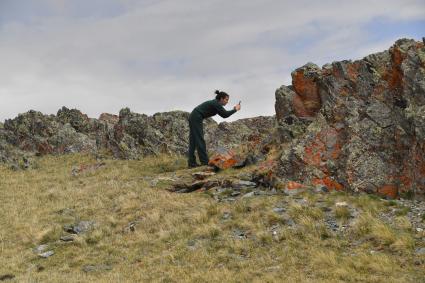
(331, 223)
(221, 190)
(67, 238)
(40, 249)
(235, 193)
(420, 251)
(240, 234)
(132, 227)
(242, 184)
(419, 230)
(279, 209)
(80, 227)
(89, 268)
(321, 189)
(226, 215)
(191, 245)
(302, 201)
(46, 254)
(274, 227)
(341, 204)
(248, 195)
(288, 220)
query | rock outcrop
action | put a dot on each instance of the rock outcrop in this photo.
(127, 136)
(356, 125)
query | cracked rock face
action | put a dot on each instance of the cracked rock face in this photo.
(357, 125)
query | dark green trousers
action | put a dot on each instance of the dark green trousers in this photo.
(196, 139)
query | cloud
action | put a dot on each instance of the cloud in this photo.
(100, 56)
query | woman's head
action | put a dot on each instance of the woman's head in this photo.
(222, 97)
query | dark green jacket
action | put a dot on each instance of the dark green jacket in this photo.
(211, 107)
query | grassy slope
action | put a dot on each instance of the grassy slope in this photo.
(183, 237)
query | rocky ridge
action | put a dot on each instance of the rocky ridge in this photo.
(127, 136)
(358, 125)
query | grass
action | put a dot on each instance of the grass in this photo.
(184, 237)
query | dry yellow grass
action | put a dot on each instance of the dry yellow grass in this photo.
(182, 237)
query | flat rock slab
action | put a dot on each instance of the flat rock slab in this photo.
(80, 227)
(46, 254)
(202, 175)
(67, 238)
(191, 187)
(41, 248)
(243, 184)
(279, 209)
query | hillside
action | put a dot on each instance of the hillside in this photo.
(78, 219)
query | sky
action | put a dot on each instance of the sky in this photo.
(164, 55)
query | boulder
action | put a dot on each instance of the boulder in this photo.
(224, 159)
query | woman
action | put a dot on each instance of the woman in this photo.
(196, 136)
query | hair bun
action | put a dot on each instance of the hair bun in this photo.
(217, 91)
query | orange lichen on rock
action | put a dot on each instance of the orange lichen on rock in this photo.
(312, 154)
(352, 71)
(291, 185)
(348, 71)
(223, 161)
(305, 87)
(413, 171)
(299, 108)
(306, 102)
(329, 183)
(394, 76)
(406, 181)
(325, 146)
(378, 90)
(390, 191)
(343, 91)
